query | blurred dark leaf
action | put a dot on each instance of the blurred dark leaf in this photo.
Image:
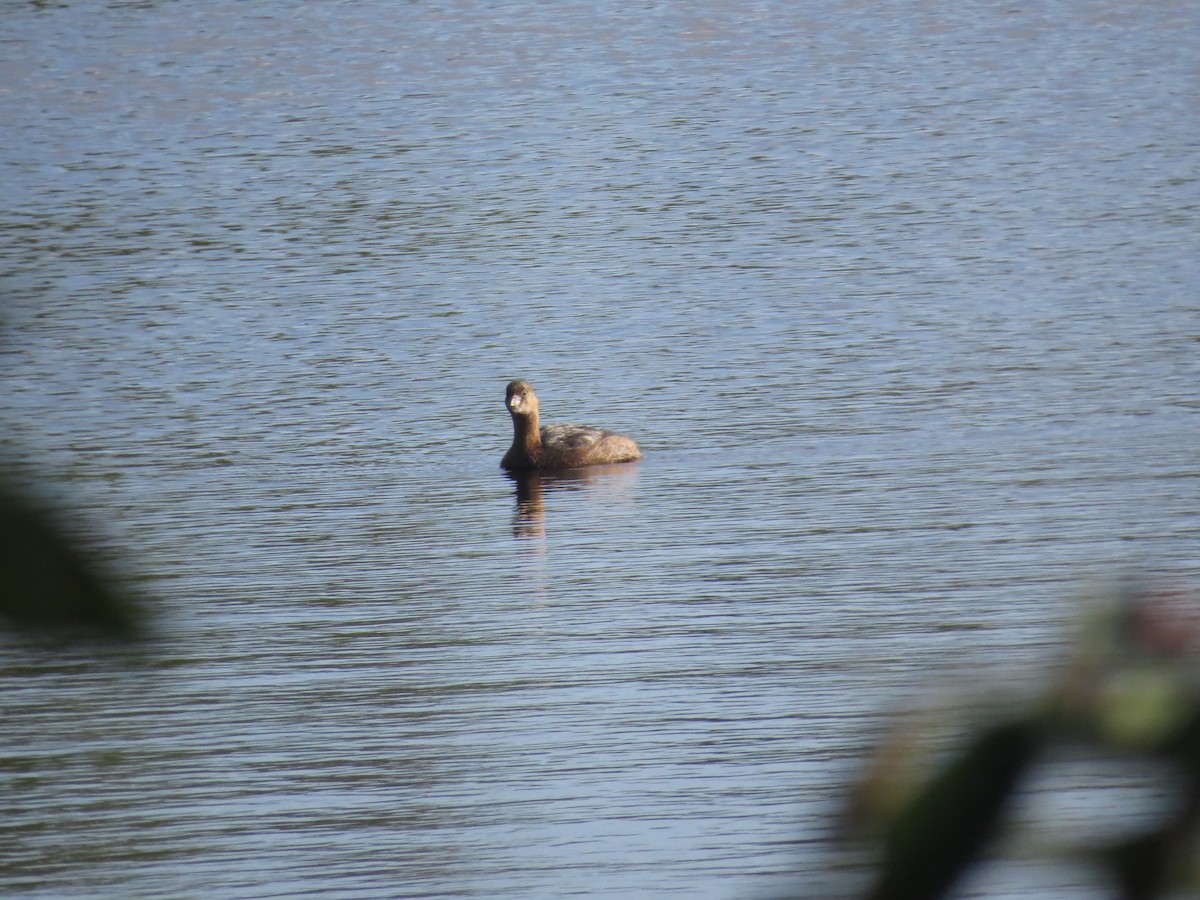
(1142, 866)
(48, 583)
(942, 831)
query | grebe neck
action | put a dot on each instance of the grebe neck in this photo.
(527, 432)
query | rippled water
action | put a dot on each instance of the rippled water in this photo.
(900, 302)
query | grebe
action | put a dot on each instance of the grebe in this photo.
(545, 447)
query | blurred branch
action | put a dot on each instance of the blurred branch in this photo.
(1131, 691)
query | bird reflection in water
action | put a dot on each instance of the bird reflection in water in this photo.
(529, 520)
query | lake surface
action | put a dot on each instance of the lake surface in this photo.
(900, 301)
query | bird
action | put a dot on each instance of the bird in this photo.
(537, 447)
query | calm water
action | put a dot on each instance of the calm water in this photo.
(900, 301)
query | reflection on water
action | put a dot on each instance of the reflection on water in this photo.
(604, 484)
(907, 333)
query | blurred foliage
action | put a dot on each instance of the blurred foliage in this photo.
(49, 583)
(1130, 691)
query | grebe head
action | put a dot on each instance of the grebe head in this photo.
(520, 398)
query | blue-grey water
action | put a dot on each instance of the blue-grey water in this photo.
(901, 301)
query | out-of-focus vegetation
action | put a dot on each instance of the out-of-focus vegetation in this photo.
(49, 583)
(1129, 694)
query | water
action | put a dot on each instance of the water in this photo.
(901, 304)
